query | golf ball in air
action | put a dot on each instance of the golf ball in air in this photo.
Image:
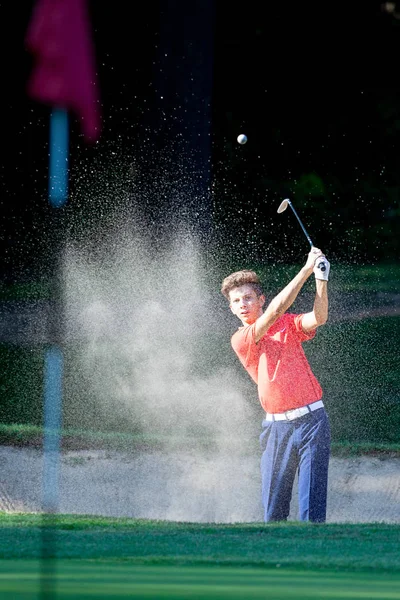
(242, 138)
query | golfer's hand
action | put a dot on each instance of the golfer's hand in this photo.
(312, 257)
(321, 268)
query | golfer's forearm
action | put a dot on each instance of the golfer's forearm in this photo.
(279, 305)
(321, 302)
(288, 295)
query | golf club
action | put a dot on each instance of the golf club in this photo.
(282, 207)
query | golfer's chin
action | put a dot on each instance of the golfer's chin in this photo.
(248, 319)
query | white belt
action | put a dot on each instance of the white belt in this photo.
(294, 413)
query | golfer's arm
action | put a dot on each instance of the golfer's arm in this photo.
(279, 305)
(319, 315)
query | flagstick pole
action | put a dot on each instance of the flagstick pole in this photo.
(54, 362)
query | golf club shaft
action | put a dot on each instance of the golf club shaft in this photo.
(321, 265)
(301, 224)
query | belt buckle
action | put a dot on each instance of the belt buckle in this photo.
(289, 412)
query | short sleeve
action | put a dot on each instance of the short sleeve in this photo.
(248, 352)
(302, 335)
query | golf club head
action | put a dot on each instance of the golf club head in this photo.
(283, 205)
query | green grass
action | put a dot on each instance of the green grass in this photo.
(344, 278)
(76, 580)
(367, 278)
(30, 290)
(21, 435)
(121, 558)
(380, 277)
(356, 362)
(348, 547)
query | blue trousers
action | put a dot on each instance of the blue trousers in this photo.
(302, 444)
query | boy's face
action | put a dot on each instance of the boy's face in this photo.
(246, 304)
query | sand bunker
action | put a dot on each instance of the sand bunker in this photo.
(188, 487)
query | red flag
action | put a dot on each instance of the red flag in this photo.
(65, 74)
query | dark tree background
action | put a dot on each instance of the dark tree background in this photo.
(314, 87)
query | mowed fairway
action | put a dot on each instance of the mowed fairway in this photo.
(126, 558)
(108, 579)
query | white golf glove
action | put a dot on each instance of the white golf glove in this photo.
(321, 268)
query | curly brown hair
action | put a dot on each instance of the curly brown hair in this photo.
(240, 278)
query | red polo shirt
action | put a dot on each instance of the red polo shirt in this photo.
(278, 364)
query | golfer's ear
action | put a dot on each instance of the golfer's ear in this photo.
(262, 299)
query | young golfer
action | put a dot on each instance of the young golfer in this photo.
(296, 432)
